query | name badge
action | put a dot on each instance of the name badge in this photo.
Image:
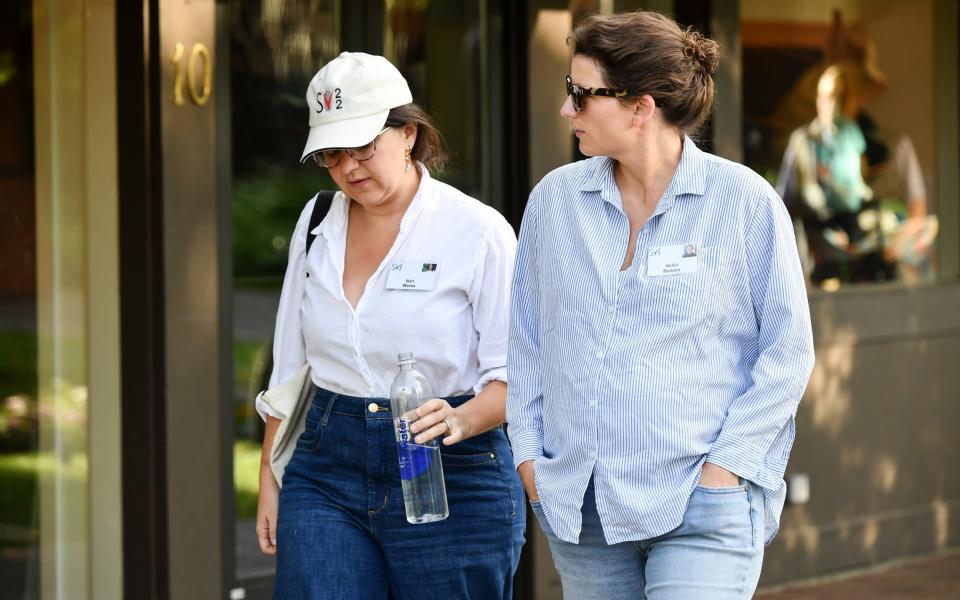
(671, 260)
(413, 276)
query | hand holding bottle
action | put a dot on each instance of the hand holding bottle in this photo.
(421, 473)
(436, 418)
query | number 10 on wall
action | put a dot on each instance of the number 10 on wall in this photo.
(199, 53)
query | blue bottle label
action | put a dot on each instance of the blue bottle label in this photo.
(414, 458)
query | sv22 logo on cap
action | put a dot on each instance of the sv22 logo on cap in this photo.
(329, 100)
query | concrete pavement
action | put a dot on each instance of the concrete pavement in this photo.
(933, 576)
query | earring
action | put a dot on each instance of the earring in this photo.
(406, 160)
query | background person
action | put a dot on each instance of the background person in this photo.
(651, 412)
(895, 176)
(822, 181)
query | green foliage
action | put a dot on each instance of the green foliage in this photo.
(265, 210)
(18, 364)
(18, 489)
(18, 390)
(19, 474)
(246, 477)
(8, 68)
(250, 362)
(247, 359)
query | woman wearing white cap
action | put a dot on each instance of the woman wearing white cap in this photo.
(340, 530)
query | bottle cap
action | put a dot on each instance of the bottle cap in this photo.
(406, 358)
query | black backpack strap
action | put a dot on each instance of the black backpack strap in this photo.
(320, 209)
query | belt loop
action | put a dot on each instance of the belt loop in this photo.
(326, 413)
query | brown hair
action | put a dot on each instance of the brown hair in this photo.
(647, 53)
(428, 148)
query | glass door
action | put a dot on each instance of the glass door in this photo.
(60, 535)
(275, 49)
(20, 459)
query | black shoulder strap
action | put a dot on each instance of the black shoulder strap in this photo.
(320, 209)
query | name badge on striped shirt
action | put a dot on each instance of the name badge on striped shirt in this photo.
(671, 260)
(412, 276)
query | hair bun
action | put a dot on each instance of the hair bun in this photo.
(704, 51)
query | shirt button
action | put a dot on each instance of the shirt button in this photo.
(612, 309)
(599, 354)
(372, 407)
(593, 454)
(592, 403)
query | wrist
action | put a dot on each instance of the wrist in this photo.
(525, 466)
(464, 422)
(714, 475)
(268, 482)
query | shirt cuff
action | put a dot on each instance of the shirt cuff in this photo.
(498, 374)
(526, 445)
(745, 459)
(265, 410)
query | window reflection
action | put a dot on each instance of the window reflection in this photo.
(276, 47)
(438, 46)
(833, 118)
(20, 461)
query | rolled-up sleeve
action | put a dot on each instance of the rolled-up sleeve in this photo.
(525, 393)
(757, 433)
(489, 298)
(289, 351)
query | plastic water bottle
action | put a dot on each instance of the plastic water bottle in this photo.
(421, 474)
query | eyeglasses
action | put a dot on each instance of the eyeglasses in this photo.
(578, 93)
(330, 157)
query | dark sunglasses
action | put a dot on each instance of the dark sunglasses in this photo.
(578, 93)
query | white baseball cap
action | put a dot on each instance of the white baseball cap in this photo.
(349, 100)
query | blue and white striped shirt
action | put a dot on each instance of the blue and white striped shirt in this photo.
(638, 379)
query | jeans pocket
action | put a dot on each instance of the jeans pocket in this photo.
(309, 440)
(457, 461)
(537, 508)
(723, 515)
(477, 464)
(735, 489)
(315, 422)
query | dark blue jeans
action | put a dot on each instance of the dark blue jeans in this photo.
(342, 532)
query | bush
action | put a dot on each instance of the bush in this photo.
(265, 211)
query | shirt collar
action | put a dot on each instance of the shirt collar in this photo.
(689, 178)
(423, 201)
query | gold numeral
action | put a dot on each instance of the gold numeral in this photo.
(200, 53)
(178, 75)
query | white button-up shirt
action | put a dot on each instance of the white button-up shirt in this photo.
(457, 330)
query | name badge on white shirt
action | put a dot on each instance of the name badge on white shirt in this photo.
(671, 260)
(414, 276)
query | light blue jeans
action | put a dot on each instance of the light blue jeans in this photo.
(715, 553)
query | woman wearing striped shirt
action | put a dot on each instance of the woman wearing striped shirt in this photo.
(660, 335)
